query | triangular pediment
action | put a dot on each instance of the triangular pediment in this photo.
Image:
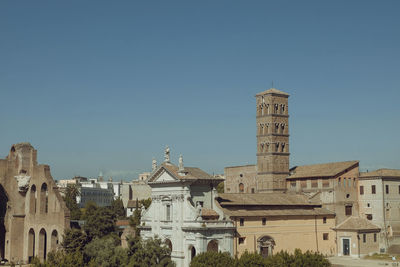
(162, 175)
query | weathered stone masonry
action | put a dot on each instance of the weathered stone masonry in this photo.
(33, 215)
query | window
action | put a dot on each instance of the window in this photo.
(264, 221)
(241, 188)
(375, 237)
(361, 190)
(399, 189)
(325, 183)
(373, 189)
(349, 180)
(252, 191)
(325, 236)
(303, 184)
(168, 212)
(348, 210)
(314, 183)
(241, 175)
(387, 189)
(364, 238)
(241, 240)
(241, 222)
(344, 182)
(354, 183)
(324, 220)
(368, 205)
(339, 181)
(369, 216)
(293, 184)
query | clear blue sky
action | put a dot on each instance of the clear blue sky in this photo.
(105, 85)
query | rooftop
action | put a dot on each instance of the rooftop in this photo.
(189, 173)
(381, 173)
(321, 170)
(356, 223)
(263, 199)
(272, 91)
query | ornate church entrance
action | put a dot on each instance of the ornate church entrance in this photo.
(266, 245)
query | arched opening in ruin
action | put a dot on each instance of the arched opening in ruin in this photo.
(31, 244)
(44, 199)
(54, 240)
(3, 210)
(212, 246)
(32, 200)
(42, 244)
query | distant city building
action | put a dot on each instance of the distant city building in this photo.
(33, 215)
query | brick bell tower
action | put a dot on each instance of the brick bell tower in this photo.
(272, 140)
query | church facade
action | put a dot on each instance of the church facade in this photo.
(184, 214)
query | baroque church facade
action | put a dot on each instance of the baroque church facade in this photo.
(184, 213)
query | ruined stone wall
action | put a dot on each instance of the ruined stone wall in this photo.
(36, 215)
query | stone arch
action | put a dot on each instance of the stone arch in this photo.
(3, 211)
(266, 245)
(42, 244)
(44, 199)
(212, 246)
(54, 240)
(32, 199)
(31, 244)
(241, 188)
(168, 243)
(192, 252)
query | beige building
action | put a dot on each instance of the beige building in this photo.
(332, 184)
(269, 223)
(379, 200)
(33, 215)
(357, 237)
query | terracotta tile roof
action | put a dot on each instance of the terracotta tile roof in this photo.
(356, 223)
(209, 213)
(122, 223)
(272, 91)
(276, 212)
(321, 170)
(190, 173)
(264, 199)
(381, 173)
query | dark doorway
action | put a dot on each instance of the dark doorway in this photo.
(346, 246)
(3, 210)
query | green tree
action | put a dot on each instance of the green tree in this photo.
(74, 240)
(250, 260)
(71, 193)
(220, 187)
(60, 259)
(211, 258)
(99, 222)
(151, 252)
(106, 252)
(117, 207)
(145, 203)
(134, 220)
